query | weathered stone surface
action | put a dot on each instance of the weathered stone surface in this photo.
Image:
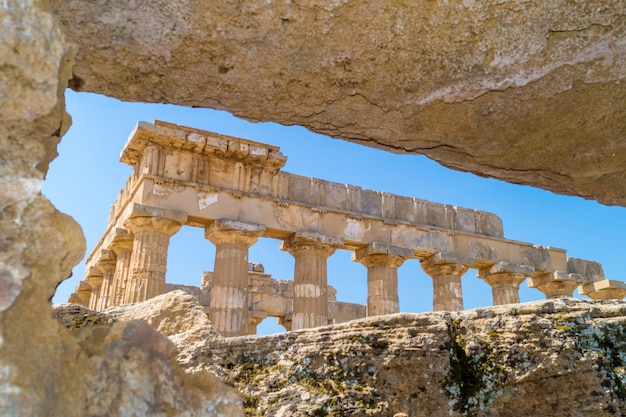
(38, 245)
(176, 315)
(131, 370)
(129, 367)
(528, 92)
(548, 358)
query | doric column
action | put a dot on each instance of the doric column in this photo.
(505, 279)
(122, 245)
(446, 270)
(106, 264)
(382, 262)
(254, 321)
(606, 289)
(148, 261)
(83, 291)
(310, 295)
(93, 278)
(556, 284)
(228, 308)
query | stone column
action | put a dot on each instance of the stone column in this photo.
(106, 264)
(505, 279)
(228, 308)
(148, 262)
(556, 284)
(254, 321)
(310, 295)
(94, 279)
(382, 262)
(446, 270)
(122, 245)
(83, 291)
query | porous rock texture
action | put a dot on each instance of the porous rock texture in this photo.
(530, 92)
(548, 358)
(128, 369)
(541, 359)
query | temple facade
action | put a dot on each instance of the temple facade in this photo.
(235, 190)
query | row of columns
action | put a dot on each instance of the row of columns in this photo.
(134, 266)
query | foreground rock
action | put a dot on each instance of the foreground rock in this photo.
(528, 92)
(132, 369)
(125, 370)
(550, 358)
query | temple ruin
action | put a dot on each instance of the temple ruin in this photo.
(235, 190)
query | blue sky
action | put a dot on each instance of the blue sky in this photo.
(87, 176)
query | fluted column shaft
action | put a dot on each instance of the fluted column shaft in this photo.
(94, 279)
(229, 302)
(505, 286)
(447, 287)
(382, 283)
(310, 287)
(123, 247)
(148, 261)
(107, 266)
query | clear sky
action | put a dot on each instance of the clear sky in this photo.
(85, 179)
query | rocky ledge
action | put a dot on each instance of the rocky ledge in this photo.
(548, 358)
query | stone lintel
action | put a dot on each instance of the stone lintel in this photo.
(539, 279)
(83, 286)
(590, 269)
(255, 315)
(506, 267)
(378, 248)
(140, 210)
(612, 289)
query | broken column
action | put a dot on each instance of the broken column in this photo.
(505, 279)
(446, 270)
(606, 289)
(382, 262)
(310, 292)
(556, 284)
(229, 287)
(152, 229)
(122, 245)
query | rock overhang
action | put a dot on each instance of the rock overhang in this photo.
(531, 93)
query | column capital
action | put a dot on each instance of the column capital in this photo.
(446, 264)
(606, 289)
(152, 224)
(233, 231)
(382, 254)
(310, 242)
(122, 239)
(556, 284)
(505, 268)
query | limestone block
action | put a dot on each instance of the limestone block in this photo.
(606, 289)
(557, 284)
(591, 269)
(409, 77)
(534, 359)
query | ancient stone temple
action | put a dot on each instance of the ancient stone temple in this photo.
(235, 190)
